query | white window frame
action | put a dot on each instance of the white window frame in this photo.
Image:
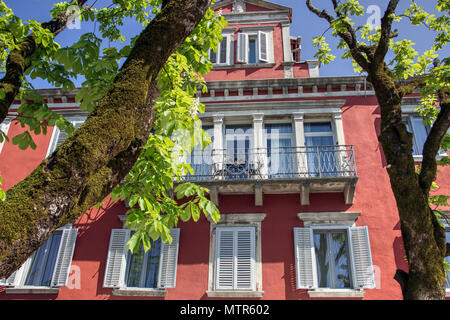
(76, 120)
(240, 220)
(60, 270)
(227, 38)
(4, 126)
(407, 116)
(121, 289)
(331, 221)
(242, 45)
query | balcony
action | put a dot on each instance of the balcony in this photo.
(301, 170)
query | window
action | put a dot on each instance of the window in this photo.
(49, 265)
(221, 56)
(333, 257)
(4, 126)
(447, 235)
(420, 132)
(253, 48)
(154, 269)
(320, 149)
(235, 256)
(239, 162)
(59, 136)
(281, 154)
(200, 160)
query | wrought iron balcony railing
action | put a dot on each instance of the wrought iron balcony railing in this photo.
(272, 163)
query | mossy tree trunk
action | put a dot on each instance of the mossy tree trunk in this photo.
(86, 167)
(423, 237)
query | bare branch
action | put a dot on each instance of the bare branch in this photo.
(349, 37)
(386, 33)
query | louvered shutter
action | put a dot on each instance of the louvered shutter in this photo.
(60, 136)
(235, 258)
(64, 257)
(168, 261)
(362, 258)
(116, 260)
(305, 260)
(263, 46)
(14, 278)
(245, 259)
(9, 281)
(224, 259)
(242, 47)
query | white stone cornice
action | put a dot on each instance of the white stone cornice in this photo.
(314, 218)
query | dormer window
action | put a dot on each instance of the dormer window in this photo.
(252, 47)
(221, 56)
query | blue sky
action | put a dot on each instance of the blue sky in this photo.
(304, 23)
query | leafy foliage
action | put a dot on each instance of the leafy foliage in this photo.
(149, 187)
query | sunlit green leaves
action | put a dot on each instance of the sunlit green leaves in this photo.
(323, 52)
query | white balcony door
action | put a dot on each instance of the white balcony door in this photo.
(320, 149)
(280, 152)
(238, 160)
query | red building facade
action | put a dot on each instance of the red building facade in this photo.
(295, 168)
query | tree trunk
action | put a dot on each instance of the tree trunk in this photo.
(88, 165)
(423, 238)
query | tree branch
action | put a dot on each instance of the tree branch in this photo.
(386, 32)
(431, 147)
(16, 63)
(349, 37)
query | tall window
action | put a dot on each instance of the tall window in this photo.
(252, 57)
(447, 259)
(201, 160)
(142, 267)
(320, 149)
(235, 258)
(332, 258)
(253, 47)
(280, 151)
(420, 132)
(49, 265)
(221, 55)
(154, 269)
(4, 126)
(335, 257)
(239, 161)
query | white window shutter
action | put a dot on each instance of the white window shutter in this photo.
(116, 260)
(245, 259)
(242, 48)
(305, 260)
(59, 136)
(362, 258)
(15, 277)
(8, 282)
(224, 259)
(168, 261)
(64, 257)
(263, 46)
(235, 258)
